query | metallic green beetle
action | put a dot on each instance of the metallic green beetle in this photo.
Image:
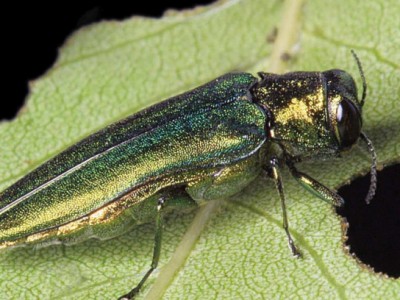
(206, 144)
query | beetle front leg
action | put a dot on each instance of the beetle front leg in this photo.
(156, 250)
(316, 188)
(279, 185)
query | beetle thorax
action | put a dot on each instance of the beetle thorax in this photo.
(298, 108)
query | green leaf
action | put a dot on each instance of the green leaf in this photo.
(110, 70)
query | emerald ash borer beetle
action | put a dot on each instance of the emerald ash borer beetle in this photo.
(205, 144)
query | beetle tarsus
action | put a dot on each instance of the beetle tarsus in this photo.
(295, 252)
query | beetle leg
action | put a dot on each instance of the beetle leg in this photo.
(156, 250)
(316, 188)
(279, 185)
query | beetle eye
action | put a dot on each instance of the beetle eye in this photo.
(348, 123)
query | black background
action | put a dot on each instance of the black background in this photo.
(374, 232)
(32, 34)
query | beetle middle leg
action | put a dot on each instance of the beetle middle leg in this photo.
(275, 173)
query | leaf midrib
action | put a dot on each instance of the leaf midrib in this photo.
(287, 34)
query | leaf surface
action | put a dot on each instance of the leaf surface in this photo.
(110, 70)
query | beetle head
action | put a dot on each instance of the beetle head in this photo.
(344, 110)
(345, 114)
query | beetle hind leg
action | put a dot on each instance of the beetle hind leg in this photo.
(177, 199)
(156, 251)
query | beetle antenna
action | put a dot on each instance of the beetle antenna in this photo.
(364, 83)
(372, 185)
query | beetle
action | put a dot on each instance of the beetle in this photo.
(205, 144)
